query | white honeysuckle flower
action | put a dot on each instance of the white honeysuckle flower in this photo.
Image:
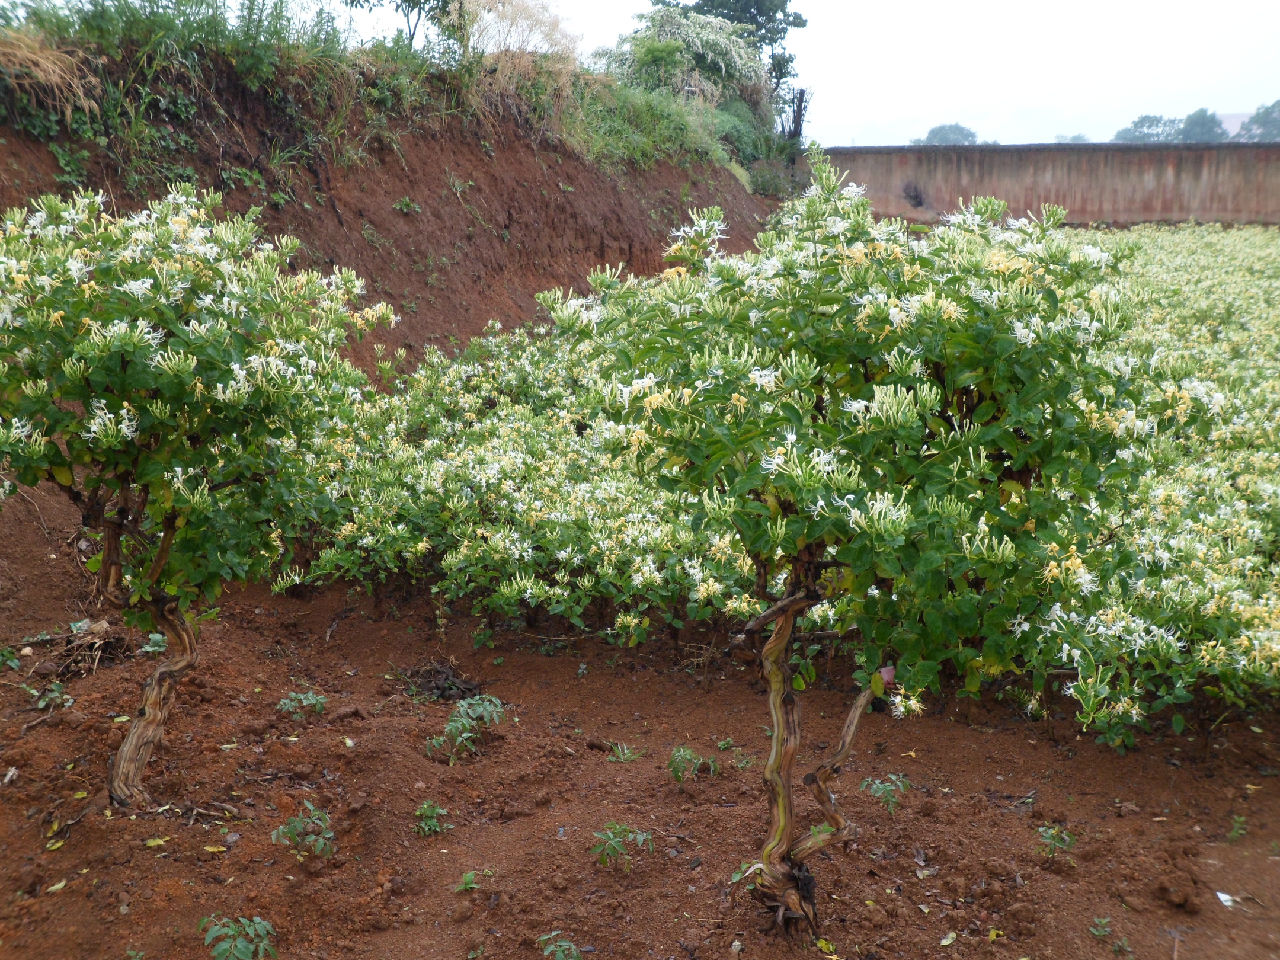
(763, 379)
(137, 288)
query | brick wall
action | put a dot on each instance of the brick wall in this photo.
(1111, 183)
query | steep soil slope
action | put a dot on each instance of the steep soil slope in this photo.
(459, 225)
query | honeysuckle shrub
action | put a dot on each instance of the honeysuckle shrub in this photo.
(166, 363)
(507, 476)
(925, 416)
(908, 426)
(168, 374)
(497, 476)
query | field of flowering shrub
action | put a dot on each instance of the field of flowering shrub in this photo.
(509, 476)
(1197, 601)
(1001, 446)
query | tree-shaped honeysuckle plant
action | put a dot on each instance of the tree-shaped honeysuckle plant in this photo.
(171, 377)
(903, 427)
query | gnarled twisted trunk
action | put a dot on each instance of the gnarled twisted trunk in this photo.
(784, 882)
(158, 695)
(780, 886)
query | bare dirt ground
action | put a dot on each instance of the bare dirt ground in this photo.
(1154, 843)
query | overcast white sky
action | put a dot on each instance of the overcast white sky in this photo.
(1014, 72)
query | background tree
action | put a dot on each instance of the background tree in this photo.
(1072, 138)
(769, 22)
(1262, 127)
(450, 19)
(948, 135)
(1150, 128)
(170, 376)
(413, 12)
(692, 56)
(1202, 127)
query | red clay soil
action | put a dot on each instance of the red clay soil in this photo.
(1154, 850)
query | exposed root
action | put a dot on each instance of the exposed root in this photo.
(792, 905)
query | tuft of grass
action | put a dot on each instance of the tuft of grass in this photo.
(1054, 839)
(621, 753)
(685, 762)
(45, 77)
(295, 704)
(470, 720)
(890, 791)
(617, 127)
(613, 844)
(308, 833)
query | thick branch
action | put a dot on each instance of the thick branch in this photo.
(111, 571)
(162, 552)
(789, 605)
(819, 780)
(253, 478)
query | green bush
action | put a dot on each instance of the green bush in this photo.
(308, 833)
(903, 430)
(500, 477)
(919, 422)
(617, 125)
(166, 373)
(467, 725)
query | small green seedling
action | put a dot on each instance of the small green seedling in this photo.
(429, 822)
(296, 704)
(557, 947)
(685, 762)
(1055, 839)
(621, 753)
(725, 744)
(467, 724)
(9, 659)
(1239, 827)
(52, 697)
(406, 206)
(1101, 927)
(240, 939)
(613, 842)
(156, 643)
(307, 833)
(889, 792)
(747, 869)
(469, 882)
